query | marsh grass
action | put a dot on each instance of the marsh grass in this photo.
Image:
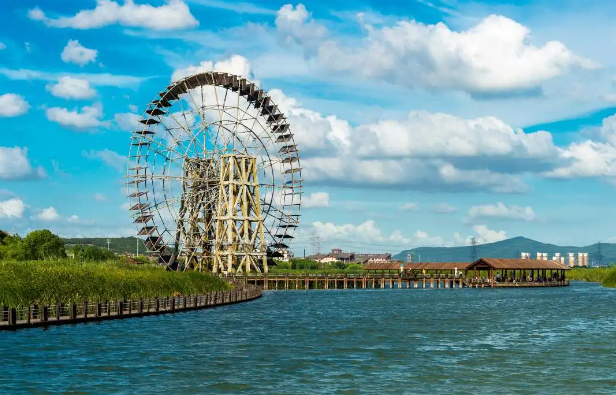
(603, 275)
(64, 281)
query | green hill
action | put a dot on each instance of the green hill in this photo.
(118, 245)
(510, 248)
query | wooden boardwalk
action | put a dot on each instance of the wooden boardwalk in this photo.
(377, 281)
(61, 314)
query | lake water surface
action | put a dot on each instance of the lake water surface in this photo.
(550, 340)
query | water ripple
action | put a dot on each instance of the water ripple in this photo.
(340, 342)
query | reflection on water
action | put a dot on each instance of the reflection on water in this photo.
(554, 340)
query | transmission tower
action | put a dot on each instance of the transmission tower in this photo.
(473, 249)
(599, 255)
(315, 241)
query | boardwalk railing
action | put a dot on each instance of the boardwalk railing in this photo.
(36, 316)
(283, 281)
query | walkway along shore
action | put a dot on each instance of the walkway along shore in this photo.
(43, 316)
(270, 282)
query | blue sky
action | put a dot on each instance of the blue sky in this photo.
(419, 122)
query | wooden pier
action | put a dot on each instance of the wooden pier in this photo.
(62, 314)
(378, 281)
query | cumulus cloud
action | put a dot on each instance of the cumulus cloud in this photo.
(501, 211)
(295, 25)
(494, 57)
(369, 234)
(77, 53)
(99, 197)
(174, 14)
(236, 64)
(12, 208)
(12, 105)
(72, 88)
(406, 153)
(48, 214)
(444, 208)
(409, 207)
(110, 158)
(486, 235)
(126, 121)
(316, 200)
(87, 117)
(15, 165)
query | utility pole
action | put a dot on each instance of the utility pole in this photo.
(108, 242)
(315, 241)
(599, 255)
(473, 249)
(138, 246)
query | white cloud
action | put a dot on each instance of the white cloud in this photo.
(72, 88)
(444, 208)
(12, 105)
(28, 47)
(369, 234)
(12, 208)
(236, 64)
(133, 108)
(87, 118)
(390, 153)
(48, 214)
(15, 165)
(99, 197)
(78, 54)
(494, 57)
(500, 210)
(110, 158)
(2, 46)
(102, 79)
(409, 207)
(73, 218)
(127, 121)
(487, 235)
(316, 200)
(174, 14)
(295, 25)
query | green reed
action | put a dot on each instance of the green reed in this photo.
(603, 275)
(64, 281)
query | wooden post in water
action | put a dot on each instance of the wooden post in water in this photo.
(12, 316)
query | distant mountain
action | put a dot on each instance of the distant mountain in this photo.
(510, 248)
(118, 245)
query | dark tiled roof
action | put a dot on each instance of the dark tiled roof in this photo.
(520, 264)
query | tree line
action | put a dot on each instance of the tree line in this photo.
(40, 245)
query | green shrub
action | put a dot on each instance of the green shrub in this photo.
(65, 281)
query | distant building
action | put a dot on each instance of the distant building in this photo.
(286, 255)
(372, 258)
(336, 255)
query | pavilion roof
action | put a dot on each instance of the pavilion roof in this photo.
(519, 264)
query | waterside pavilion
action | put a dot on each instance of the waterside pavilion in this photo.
(484, 272)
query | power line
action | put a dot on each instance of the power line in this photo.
(315, 242)
(473, 249)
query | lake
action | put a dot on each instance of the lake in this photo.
(446, 341)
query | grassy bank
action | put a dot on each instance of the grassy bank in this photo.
(603, 275)
(64, 281)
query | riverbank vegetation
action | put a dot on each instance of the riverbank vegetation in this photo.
(65, 281)
(37, 269)
(306, 266)
(604, 275)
